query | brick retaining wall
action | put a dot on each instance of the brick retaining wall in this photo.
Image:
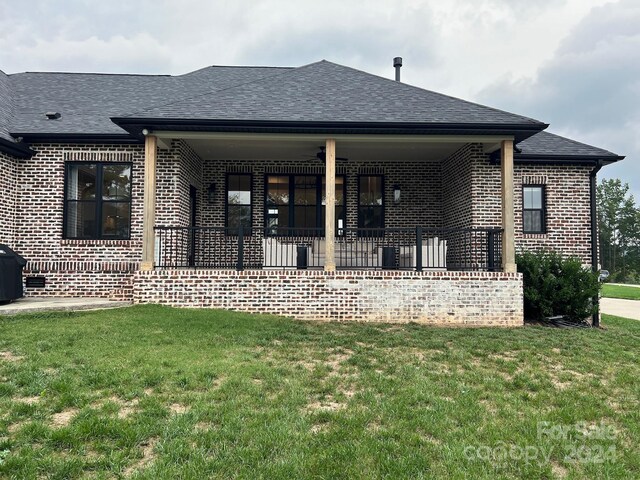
(440, 298)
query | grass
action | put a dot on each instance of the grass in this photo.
(152, 392)
(618, 291)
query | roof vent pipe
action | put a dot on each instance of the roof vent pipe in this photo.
(397, 64)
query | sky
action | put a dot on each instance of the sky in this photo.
(572, 63)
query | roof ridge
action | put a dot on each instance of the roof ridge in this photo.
(434, 92)
(209, 92)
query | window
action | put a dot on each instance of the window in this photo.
(371, 201)
(97, 201)
(299, 201)
(239, 201)
(533, 209)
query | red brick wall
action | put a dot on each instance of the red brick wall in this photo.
(440, 298)
(461, 191)
(8, 191)
(87, 267)
(567, 198)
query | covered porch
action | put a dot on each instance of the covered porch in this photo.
(241, 201)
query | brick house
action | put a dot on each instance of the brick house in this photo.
(210, 189)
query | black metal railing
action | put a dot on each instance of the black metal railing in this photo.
(474, 249)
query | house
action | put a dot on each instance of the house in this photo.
(210, 189)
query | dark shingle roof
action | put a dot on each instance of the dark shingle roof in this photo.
(5, 106)
(545, 144)
(88, 101)
(319, 92)
(327, 92)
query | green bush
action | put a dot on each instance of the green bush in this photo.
(555, 285)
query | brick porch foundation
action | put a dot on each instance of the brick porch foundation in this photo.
(439, 298)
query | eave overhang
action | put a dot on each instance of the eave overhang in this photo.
(14, 149)
(135, 126)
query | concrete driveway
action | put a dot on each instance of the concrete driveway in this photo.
(620, 307)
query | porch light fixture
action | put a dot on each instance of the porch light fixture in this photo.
(211, 193)
(396, 194)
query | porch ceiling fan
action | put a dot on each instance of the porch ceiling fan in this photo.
(322, 155)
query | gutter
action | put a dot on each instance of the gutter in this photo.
(594, 234)
(134, 126)
(19, 150)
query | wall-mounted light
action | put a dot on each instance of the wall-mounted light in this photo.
(396, 194)
(211, 193)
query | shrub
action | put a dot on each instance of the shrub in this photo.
(555, 285)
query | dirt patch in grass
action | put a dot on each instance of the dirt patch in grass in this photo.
(8, 356)
(328, 404)
(178, 409)
(63, 418)
(319, 428)
(148, 456)
(558, 470)
(27, 400)
(128, 408)
(14, 427)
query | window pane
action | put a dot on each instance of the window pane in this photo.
(306, 190)
(81, 220)
(115, 219)
(116, 182)
(339, 190)
(239, 215)
(277, 218)
(239, 190)
(370, 217)
(305, 217)
(81, 182)
(532, 197)
(532, 221)
(371, 190)
(278, 190)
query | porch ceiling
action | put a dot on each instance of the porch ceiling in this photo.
(304, 148)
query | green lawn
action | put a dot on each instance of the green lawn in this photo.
(153, 392)
(617, 291)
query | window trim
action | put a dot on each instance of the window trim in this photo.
(542, 210)
(226, 202)
(98, 201)
(291, 205)
(384, 198)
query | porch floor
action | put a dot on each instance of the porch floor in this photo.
(49, 304)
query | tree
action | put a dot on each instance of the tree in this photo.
(619, 230)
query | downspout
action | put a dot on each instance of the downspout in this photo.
(594, 234)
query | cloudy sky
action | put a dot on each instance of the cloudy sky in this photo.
(572, 63)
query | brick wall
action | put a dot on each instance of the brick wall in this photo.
(567, 198)
(82, 267)
(440, 298)
(8, 191)
(461, 191)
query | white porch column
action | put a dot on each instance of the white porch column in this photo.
(508, 224)
(149, 216)
(330, 209)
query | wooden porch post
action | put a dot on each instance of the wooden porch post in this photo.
(508, 224)
(149, 216)
(330, 209)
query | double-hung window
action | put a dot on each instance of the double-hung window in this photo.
(294, 203)
(97, 201)
(239, 201)
(371, 201)
(533, 209)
